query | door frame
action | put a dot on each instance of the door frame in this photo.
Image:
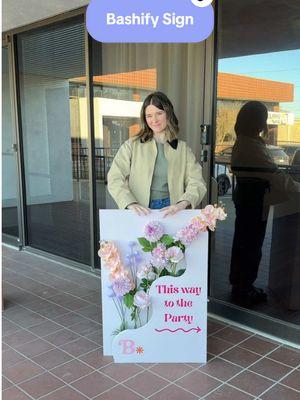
(7, 42)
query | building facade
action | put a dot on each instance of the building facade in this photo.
(69, 102)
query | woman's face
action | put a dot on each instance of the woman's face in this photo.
(156, 118)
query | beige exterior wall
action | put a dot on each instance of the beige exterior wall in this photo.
(17, 13)
(289, 133)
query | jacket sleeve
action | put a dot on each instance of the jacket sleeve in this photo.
(195, 187)
(118, 174)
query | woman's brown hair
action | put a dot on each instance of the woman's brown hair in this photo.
(161, 101)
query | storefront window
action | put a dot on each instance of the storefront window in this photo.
(55, 139)
(259, 67)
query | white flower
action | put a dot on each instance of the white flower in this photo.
(141, 299)
(143, 271)
(151, 276)
(220, 214)
(174, 254)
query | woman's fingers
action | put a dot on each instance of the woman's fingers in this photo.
(166, 213)
(145, 210)
(171, 210)
(139, 210)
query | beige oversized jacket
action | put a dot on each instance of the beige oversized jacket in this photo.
(130, 176)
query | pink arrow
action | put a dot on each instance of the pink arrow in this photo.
(197, 329)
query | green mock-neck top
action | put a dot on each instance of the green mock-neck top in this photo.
(159, 186)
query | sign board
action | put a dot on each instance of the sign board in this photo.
(280, 118)
(175, 327)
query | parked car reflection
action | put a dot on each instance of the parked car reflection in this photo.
(223, 176)
(277, 153)
(291, 150)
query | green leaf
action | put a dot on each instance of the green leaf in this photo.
(155, 270)
(180, 245)
(167, 240)
(133, 314)
(144, 242)
(180, 272)
(144, 287)
(164, 272)
(147, 249)
(128, 300)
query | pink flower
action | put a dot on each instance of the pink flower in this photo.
(208, 210)
(116, 273)
(211, 222)
(106, 249)
(199, 223)
(214, 212)
(174, 254)
(153, 231)
(110, 256)
(119, 272)
(187, 235)
(122, 285)
(159, 255)
(141, 299)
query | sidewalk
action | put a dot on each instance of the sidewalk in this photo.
(52, 338)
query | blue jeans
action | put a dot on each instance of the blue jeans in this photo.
(160, 203)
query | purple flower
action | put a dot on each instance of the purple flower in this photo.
(159, 256)
(110, 292)
(121, 285)
(153, 231)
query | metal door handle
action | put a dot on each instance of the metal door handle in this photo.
(204, 136)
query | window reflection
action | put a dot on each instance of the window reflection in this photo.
(255, 71)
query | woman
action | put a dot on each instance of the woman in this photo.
(155, 170)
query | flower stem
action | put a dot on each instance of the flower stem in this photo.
(173, 268)
(117, 307)
(139, 317)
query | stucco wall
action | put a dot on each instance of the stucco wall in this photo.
(16, 13)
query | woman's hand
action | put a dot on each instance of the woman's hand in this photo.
(171, 210)
(138, 209)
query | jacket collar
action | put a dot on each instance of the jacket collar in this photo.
(173, 143)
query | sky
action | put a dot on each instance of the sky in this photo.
(283, 66)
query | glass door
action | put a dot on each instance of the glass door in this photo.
(10, 182)
(255, 254)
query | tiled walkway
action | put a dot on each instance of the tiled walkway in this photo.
(52, 348)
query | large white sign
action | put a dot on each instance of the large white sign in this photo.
(174, 327)
(280, 118)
